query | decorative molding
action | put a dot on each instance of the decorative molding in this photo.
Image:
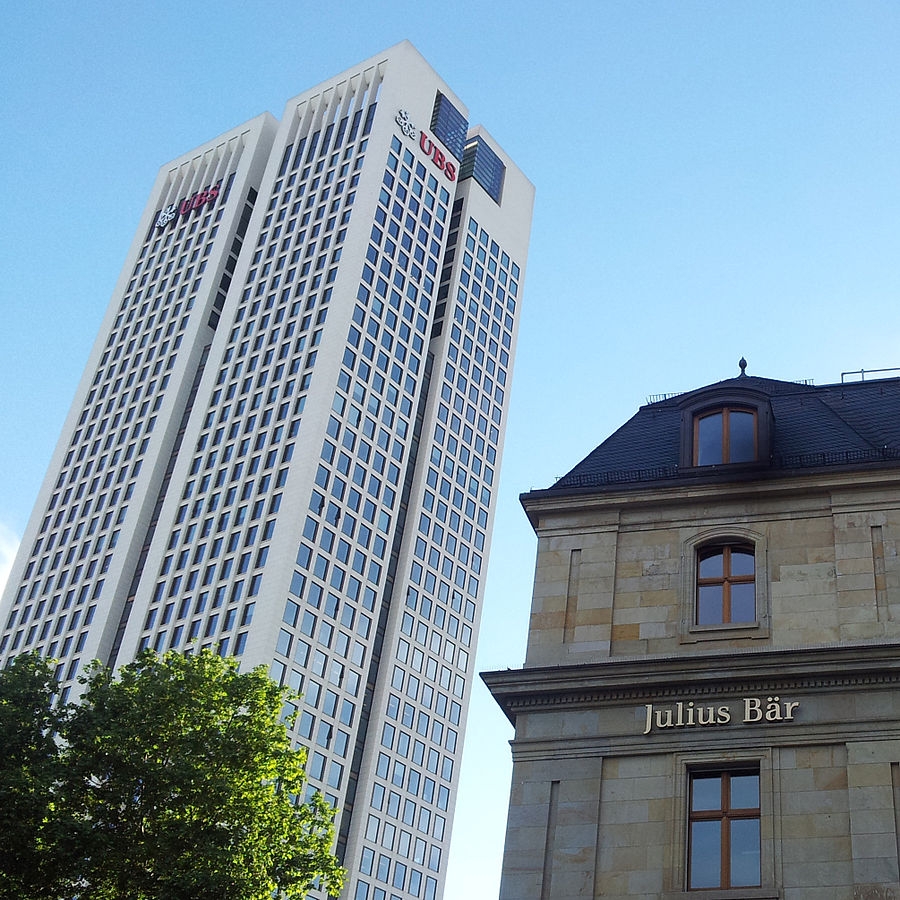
(615, 682)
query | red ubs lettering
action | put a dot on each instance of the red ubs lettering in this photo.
(430, 148)
(199, 199)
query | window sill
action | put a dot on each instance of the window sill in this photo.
(725, 632)
(750, 465)
(768, 893)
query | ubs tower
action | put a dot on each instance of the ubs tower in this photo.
(285, 444)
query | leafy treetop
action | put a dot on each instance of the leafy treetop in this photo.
(172, 779)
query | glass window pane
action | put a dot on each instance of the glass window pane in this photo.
(709, 605)
(744, 792)
(741, 562)
(743, 602)
(706, 792)
(741, 436)
(745, 853)
(706, 862)
(709, 440)
(711, 566)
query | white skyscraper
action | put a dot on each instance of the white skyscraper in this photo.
(286, 442)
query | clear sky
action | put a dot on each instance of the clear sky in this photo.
(714, 179)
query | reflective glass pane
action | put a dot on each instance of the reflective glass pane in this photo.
(742, 442)
(706, 792)
(450, 125)
(741, 562)
(709, 440)
(745, 853)
(706, 862)
(711, 566)
(744, 792)
(743, 602)
(709, 605)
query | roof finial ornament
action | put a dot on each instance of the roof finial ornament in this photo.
(743, 365)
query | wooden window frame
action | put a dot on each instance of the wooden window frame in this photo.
(725, 413)
(725, 814)
(726, 580)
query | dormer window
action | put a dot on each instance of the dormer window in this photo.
(728, 424)
(725, 435)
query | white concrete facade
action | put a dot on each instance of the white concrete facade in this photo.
(287, 440)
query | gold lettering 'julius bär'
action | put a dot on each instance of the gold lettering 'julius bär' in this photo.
(693, 715)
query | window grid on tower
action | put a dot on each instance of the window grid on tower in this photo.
(274, 332)
(350, 518)
(297, 460)
(98, 478)
(432, 653)
(277, 329)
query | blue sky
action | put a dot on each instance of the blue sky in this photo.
(714, 179)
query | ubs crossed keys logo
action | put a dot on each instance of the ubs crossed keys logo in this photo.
(407, 127)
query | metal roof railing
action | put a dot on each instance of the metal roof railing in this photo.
(863, 372)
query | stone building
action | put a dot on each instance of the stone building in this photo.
(710, 701)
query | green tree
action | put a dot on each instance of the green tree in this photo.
(176, 780)
(29, 762)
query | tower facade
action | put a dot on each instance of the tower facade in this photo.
(286, 442)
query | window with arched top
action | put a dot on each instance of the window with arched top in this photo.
(726, 585)
(721, 427)
(728, 434)
(725, 592)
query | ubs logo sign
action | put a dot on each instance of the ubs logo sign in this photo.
(198, 200)
(429, 147)
(407, 127)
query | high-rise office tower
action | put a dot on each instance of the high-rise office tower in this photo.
(286, 442)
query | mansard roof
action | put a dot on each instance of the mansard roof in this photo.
(853, 424)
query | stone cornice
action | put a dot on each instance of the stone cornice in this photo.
(611, 682)
(824, 482)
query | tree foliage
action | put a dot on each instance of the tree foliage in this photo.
(29, 763)
(175, 780)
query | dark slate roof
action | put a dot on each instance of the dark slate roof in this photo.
(851, 424)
